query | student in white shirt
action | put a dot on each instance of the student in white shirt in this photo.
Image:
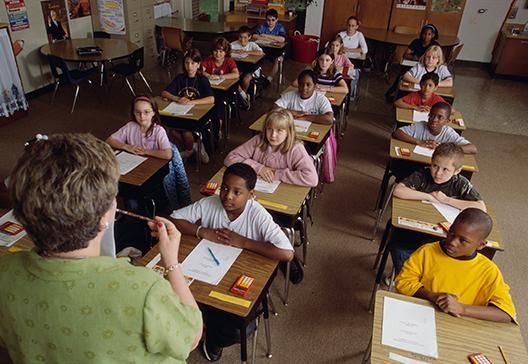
(306, 103)
(353, 39)
(244, 46)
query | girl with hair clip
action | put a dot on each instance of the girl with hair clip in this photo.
(341, 61)
(328, 79)
(431, 61)
(428, 37)
(276, 154)
(190, 88)
(145, 136)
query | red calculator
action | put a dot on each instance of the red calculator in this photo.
(11, 228)
(478, 358)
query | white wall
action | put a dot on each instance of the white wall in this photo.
(314, 18)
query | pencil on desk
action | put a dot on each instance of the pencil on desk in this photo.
(503, 355)
(132, 214)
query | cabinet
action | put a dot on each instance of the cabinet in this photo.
(510, 54)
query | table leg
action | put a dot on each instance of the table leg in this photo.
(102, 71)
(281, 61)
(198, 149)
(254, 346)
(383, 186)
(368, 350)
(381, 269)
(291, 235)
(243, 343)
(267, 325)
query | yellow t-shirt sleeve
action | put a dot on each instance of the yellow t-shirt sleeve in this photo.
(501, 297)
(170, 326)
(408, 282)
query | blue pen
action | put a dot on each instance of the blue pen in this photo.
(214, 256)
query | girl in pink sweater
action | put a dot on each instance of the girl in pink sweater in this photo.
(276, 154)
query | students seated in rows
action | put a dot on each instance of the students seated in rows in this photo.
(237, 219)
(276, 154)
(435, 131)
(146, 137)
(64, 303)
(353, 39)
(190, 88)
(305, 103)
(328, 78)
(440, 182)
(428, 37)
(455, 277)
(243, 46)
(272, 31)
(425, 98)
(431, 61)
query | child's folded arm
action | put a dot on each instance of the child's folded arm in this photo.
(400, 134)
(407, 193)
(490, 313)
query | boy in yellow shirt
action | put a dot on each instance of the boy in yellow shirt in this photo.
(452, 275)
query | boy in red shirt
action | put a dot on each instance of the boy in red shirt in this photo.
(425, 98)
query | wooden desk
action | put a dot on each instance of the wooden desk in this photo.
(203, 28)
(446, 92)
(289, 22)
(426, 212)
(320, 128)
(261, 268)
(249, 59)
(197, 113)
(142, 173)
(405, 116)
(456, 336)
(225, 85)
(470, 163)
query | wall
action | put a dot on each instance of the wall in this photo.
(314, 18)
(34, 69)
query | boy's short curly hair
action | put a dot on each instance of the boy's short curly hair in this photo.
(244, 171)
(61, 188)
(451, 151)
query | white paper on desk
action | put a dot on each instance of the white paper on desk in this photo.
(239, 55)
(449, 212)
(420, 115)
(404, 360)
(423, 151)
(355, 55)
(409, 63)
(177, 109)
(266, 187)
(201, 266)
(128, 162)
(302, 126)
(264, 41)
(409, 326)
(216, 82)
(416, 86)
(6, 239)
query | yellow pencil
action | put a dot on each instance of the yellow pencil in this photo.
(503, 355)
(131, 214)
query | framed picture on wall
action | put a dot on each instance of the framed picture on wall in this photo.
(448, 6)
(411, 4)
(12, 98)
(56, 20)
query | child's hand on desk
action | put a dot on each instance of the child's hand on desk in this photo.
(213, 77)
(183, 100)
(267, 174)
(297, 114)
(209, 234)
(441, 197)
(135, 149)
(447, 302)
(422, 108)
(169, 239)
(229, 237)
(431, 144)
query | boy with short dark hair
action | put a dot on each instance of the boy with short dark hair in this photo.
(435, 131)
(424, 99)
(440, 182)
(272, 31)
(452, 275)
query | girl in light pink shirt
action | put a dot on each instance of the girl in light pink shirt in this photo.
(276, 154)
(341, 61)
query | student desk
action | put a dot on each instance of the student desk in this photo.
(144, 178)
(261, 268)
(405, 117)
(447, 93)
(112, 49)
(197, 121)
(337, 99)
(287, 205)
(456, 337)
(249, 59)
(24, 243)
(274, 48)
(253, 19)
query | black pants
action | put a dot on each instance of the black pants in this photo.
(221, 331)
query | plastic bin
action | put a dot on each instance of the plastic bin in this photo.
(304, 47)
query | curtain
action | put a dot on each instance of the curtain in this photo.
(12, 96)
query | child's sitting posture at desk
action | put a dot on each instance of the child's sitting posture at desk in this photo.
(424, 99)
(435, 131)
(452, 275)
(234, 218)
(272, 31)
(276, 154)
(305, 103)
(431, 61)
(441, 182)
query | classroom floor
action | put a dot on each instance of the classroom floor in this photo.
(327, 320)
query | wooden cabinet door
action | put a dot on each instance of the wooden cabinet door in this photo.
(374, 13)
(407, 17)
(446, 22)
(335, 15)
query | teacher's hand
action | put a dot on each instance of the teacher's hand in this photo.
(169, 239)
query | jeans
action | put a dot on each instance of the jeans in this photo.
(176, 183)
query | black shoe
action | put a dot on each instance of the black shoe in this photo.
(211, 353)
(296, 270)
(265, 82)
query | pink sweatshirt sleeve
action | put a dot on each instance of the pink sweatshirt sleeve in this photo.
(244, 154)
(303, 171)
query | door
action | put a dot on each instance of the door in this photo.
(446, 18)
(479, 28)
(374, 13)
(335, 14)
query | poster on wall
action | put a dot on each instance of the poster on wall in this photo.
(17, 14)
(78, 8)
(12, 98)
(448, 6)
(411, 4)
(111, 16)
(56, 20)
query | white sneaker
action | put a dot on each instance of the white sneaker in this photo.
(204, 157)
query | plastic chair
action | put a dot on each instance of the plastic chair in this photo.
(173, 40)
(61, 74)
(101, 35)
(450, 63)
(135, 65)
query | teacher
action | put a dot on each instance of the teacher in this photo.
(64, 303)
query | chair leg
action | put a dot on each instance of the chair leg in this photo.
(55, 91)
(290, 233)
(271, 305)
(267, 326)
(254, 342)
(130, 86)
(382, 211)
(304, 235)
(145, 80)
(383, 187)
(366, 355)
(383, 242)
(75, 98)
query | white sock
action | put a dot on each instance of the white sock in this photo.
(243, 94)
(269, 78)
